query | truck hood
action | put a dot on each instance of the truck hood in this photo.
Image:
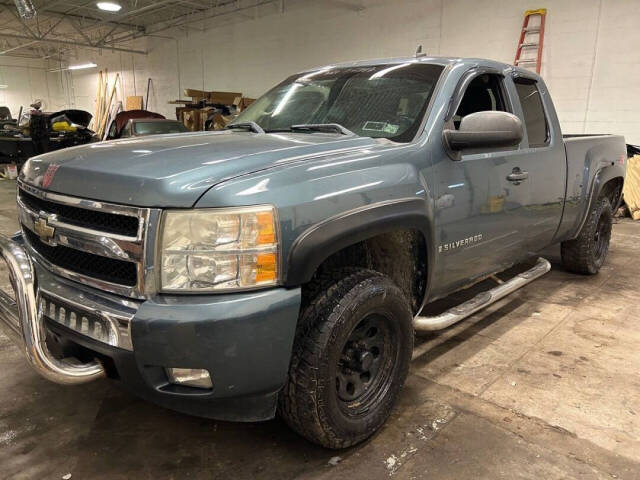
(174, 170)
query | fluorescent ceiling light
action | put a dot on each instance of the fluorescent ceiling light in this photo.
(82, 66)
(109, 6)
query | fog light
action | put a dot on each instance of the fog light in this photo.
(190, 377)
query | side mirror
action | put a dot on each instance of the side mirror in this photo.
(488, 129)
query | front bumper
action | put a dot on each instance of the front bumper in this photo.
(244, 340)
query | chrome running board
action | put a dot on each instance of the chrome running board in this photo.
(482, 300)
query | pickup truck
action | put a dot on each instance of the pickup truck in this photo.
(283, 266)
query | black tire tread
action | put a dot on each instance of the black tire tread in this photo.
(298, 404)
(577, 254)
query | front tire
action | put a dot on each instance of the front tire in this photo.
(350, 359)
(587, 253)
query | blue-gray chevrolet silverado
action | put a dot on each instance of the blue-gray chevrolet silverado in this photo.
(284, 265)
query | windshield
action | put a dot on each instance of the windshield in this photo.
(387, 101)
(156, 128)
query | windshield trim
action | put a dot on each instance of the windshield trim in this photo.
(437, 88)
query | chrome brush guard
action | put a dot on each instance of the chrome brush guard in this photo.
(22, 321)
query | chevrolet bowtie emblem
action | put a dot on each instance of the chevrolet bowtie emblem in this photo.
(43, 229)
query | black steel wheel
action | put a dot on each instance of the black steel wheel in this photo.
(365, 363)
(350, 358)
(601, 238)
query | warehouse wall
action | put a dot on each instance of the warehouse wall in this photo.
(126, 71)
(29, 80)
(589, 60)
(589, 63)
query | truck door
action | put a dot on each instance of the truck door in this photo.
(481, 206)
(542, 158)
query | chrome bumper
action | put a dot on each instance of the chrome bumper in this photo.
(22, 320)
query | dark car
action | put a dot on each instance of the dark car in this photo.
(41, 132)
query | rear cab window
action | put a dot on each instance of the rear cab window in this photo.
(535, 119)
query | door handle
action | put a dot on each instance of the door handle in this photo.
(517, 175)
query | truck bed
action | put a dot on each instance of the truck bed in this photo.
(588, 157)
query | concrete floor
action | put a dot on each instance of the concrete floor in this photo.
(544, 384)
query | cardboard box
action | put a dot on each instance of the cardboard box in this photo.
(191, 119)
(224, 98)
(245, 102)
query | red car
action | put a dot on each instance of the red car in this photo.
(140, 123)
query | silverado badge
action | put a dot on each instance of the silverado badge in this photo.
(465, 242)
(43, 229)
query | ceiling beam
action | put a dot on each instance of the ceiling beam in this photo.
(137, 11)
(181, 20)
(76, 44)
(17, 47)
(100, 21)
(105, 36)
(77, 28)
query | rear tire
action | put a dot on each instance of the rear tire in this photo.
(350, 358)
(587, 253)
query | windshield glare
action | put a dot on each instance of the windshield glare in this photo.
(381, 101)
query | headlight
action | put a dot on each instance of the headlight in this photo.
(219, 249)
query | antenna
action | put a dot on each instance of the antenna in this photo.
(419, 52)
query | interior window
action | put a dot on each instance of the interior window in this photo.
(112, 131)
(483, 93)
(126, 131)
(534, 118)
(158, 128)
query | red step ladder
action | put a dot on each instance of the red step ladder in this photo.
(526, 43)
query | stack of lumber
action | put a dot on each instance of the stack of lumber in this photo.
(209, 110)
(631, 189)
(104, 98)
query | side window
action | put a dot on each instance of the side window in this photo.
(534, 118)
(112, 131)
(484, 93)
(126, 131)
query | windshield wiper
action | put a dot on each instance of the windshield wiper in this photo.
(253, 126)
(322, 127)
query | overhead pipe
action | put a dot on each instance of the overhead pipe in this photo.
(26, 9)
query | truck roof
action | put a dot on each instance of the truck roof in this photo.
(444, 61)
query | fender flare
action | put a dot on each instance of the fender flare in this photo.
(320, 241)
(604, 175)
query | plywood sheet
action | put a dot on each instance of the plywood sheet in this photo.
(133, 103)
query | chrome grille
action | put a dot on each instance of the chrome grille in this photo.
(100, 244)
(103, 268)
(106, 222)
